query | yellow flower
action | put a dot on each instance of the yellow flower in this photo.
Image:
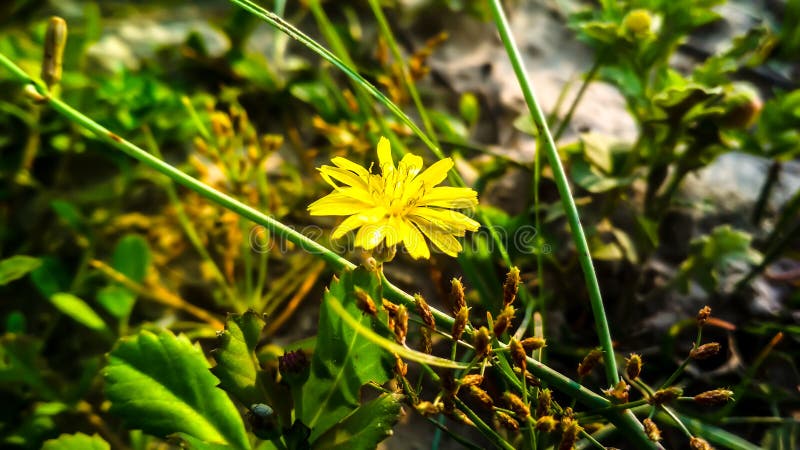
(398, 205)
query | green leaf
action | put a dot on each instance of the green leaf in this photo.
(21, 364)
(16, 267)
(710, 256)
(161, 384)
(343, 360)
(237, 365)
(365, 427)
(50, 277)
(78, 310)
(78, 441)
(117, 300)
(131, 257)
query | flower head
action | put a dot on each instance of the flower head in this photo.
(401, 204)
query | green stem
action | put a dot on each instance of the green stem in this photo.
(560, 177)
(562, 126)
(486, 430)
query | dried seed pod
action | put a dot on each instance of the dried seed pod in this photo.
(517, 405)
(424, 311)
(705, 351)
(651, 430)
(589, 362)
(506, 421)
(703, 315)
(474, 379)
(518, 354)
(461, 417)
(663, 396)
(401, 324)
(511, 286)
(714, 397)
(400, 367)
(426, 408)
(390, 307)
(503, 320)
(425, 342)
(482, 343)
(569, 433)
(365, 303)
(55, 40)
(633, 366)
(533, 343)
(460, 323)
(546, 424)
(482, 397)
(619, 392)
(457, 300)
(544, 402)
(697, 443)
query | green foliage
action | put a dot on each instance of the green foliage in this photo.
(160, 383)
(78, 441)
(131, 258)
(237, 364)
(712, 255)
(16, 267)
(365, 427)
(78, 310)
(343, 359)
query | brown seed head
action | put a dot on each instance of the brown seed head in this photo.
(705, 351)
(703, 315)
(544, 402)
(511, 286)
(401, 324)
(457, 300)
(481, 397)
(425, 342)
(460, 322)
(424, 311)
(400, 367)
(518, 353)
(569, 433)
(503, 320)
(715, 397)
(667, 395)
(390, 307)
(651, 430)
(473, 379)
(517, 405)
(482, 343)
(365, 303)
(633, 366)
(546, 424)
(427, 408)
(697, 443)
(533, 343)
(589, 362)
(619, 392)
(507, 422)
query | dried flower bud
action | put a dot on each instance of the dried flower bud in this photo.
(424, 311)
(401, 324)
(457, 300)
(425, 342)
(544, 402)
(390, 307)
(294, 367)
(481, 397)
(633, 366)
(517, 405)
(651, 430)
(546, 424)
(569, 433)
(482, 343)
(697, 443)
(427, 408)
(715, 397)
(55, 40)
(619, 392)
(503, 320)
(461, 417)
(365, 303)
(400, 367)
(533, 343)
(472, 380)
(589, 362)
(460, 323)
(506, 421)
(511, 286)
(703, 315)
(667, 395)
(518, 353)
(705, 351)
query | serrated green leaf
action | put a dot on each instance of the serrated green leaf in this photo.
(16, 267)
(343, 360)
(160, 383)
(365, 427)
(237, 366)
(78, 310)
(78, 441)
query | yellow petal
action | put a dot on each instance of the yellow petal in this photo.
(346, 164)
(370, 235)
(337, 204)
(341, 175)
(442, 240)
(451, 221)
(414, 240)
(394, 231)
(410, 164)
(436, 173)
(349, 224)
(367, 216)
(450, 197)
(385, 155)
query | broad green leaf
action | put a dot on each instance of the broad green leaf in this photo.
(365, 427)
(117, 300)
(78, 441)
(237, 366)
(160, 383)
(343, 360)
(131, 257)
(78, 310)
(16, 267)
